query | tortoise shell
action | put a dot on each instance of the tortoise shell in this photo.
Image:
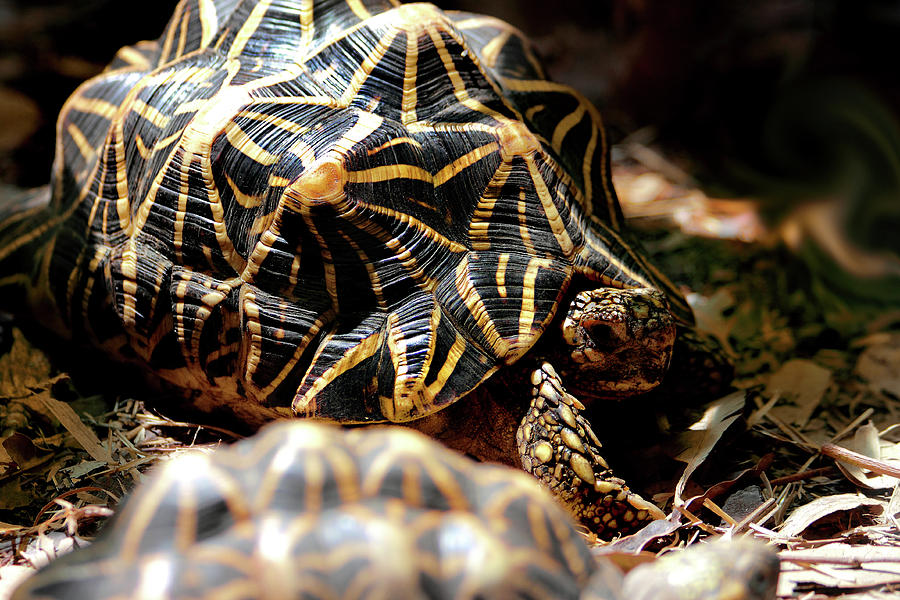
(354, 210)
(307, 510)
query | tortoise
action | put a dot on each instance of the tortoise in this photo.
(357, 211)
(309, 510)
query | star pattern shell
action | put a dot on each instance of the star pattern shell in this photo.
(347, 209)
(306, 510)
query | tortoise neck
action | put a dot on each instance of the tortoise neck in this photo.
(614, 258)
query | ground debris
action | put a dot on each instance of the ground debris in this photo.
(820, 373)
(66, 460)
(835, 566)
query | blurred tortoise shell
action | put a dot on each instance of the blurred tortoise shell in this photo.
(308, 510)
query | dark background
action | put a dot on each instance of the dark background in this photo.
(707, 77)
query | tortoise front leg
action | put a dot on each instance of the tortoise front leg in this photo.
(557, 445)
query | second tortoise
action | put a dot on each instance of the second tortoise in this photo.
(306, 510)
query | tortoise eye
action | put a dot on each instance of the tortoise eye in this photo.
(601, 335)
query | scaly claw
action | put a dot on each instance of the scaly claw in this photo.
(557, 445)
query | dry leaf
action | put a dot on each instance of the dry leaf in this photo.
(894, 507)
(22, 368)
(639, 190)
(19, 450)
(709, 313)
(879, 364)
(624, 561)
(81, 432)
(842, 566)
(808, 514)
(662, 194)
(13, 496)
(634, 543)
(78, 471)
(19, 118)
(867, 442)
(10, 528)
(702, 436)
(696, 503)
(801, 381)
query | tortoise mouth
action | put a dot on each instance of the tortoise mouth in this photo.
(619, 374)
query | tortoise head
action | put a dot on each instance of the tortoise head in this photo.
(619, 341)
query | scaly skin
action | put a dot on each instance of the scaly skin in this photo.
(618, 342)
(557, 445)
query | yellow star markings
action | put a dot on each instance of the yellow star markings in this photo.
(527, 328)
(479, 227)
(565, 126)
(255, 353)
(524, 227)
(209, 21)
(557, 225)
(411, 345)
(246, 201)
(275, 121)
(245, 144)
(409, 98)
(250, 311)
(374, 278)
(248, 28)
(468, 291)
(459, 347)
(134, 58)
(503, 34)
(281, 180)
(93, 106)
(365, 348)
(492, 49)
(147, 153)
(88, 152)
(395, 142)
(457, 166)
(500, 277)
(459, 87)
(365, 69)
(196, 297)
(327, 262)
(420, 227)
(610, 208)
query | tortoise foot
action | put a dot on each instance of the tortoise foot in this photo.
(557, 445)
